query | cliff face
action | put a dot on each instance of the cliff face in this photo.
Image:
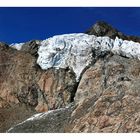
(108, 97)
(106, 100)
(89, 82)
(26, 87)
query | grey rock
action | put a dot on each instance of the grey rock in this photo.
(31, 47)
(102, 28)
(50, 122)
(107, 97)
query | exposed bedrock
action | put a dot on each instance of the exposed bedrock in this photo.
(23, 83)
(58, 89)
(107, 100)
(108, 97)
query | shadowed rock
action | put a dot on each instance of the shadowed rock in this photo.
(31, 47)
(102, 28)
(51, 122)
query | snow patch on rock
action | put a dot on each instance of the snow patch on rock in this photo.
(17, 46)
(37, 116)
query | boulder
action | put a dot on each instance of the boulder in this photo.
(55, 121)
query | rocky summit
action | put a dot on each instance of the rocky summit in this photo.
(80, 82)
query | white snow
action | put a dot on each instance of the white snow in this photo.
(76, 50)
(40, 115)
(126, 48)
(17, 46)
(71, 50)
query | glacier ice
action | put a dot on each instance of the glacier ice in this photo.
(126, 48)
(71, 50)
(76, 50)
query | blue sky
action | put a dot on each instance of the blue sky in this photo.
(24, 24)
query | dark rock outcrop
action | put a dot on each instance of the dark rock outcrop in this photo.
(31, 47)
(102, 28)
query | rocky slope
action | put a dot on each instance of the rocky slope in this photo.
(107, 100)
(89, 82)
(26, 87)
(108, 97)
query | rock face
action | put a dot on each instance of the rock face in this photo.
(102, 28)
(107, 100)
(58, 89)
(23, 83)
(89, 82)
(108, 97)
(17, 77)
(31, 47)
(50, 122)
(18, 72)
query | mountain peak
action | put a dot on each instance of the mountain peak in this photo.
(102, 28)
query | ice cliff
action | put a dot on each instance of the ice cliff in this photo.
(76, 50)
(71, 50)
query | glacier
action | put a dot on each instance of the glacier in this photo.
(75, 51)
(126, 48)
(71, 50)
